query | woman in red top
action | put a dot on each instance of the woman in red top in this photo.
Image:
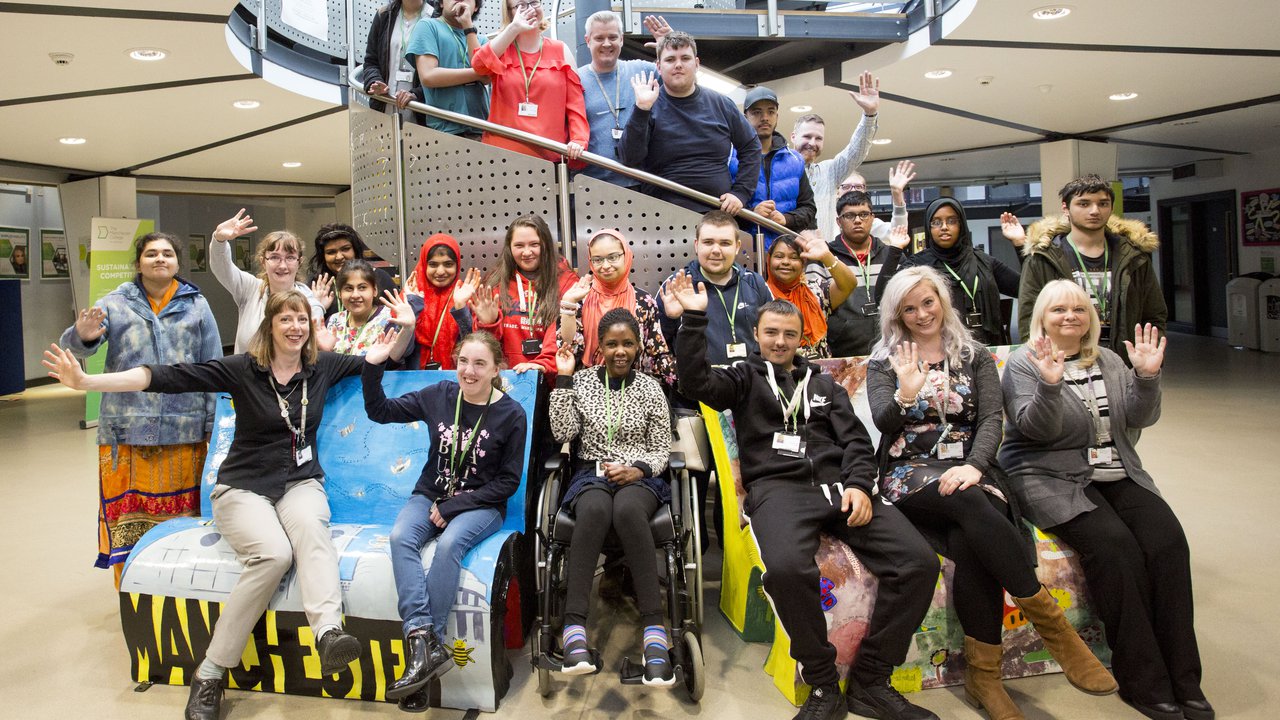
(535, 86)
(521, 307)
(445, 291)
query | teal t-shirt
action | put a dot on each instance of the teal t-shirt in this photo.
(449, 46)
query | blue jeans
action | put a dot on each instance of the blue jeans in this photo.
(425, 597)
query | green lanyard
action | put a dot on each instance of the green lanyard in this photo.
(865, 269)
(1101, 297)
(733, 335)
(462, 42)
(406, 32)
(611, 423)
(459, 456)
(528, 76)
(971, 293)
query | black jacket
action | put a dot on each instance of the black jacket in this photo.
(377, 53)
(838, 447)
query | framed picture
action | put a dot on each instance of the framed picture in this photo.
(15, 253)
(197, 254)
(1260, 217)
(242, 254)
(55, 262)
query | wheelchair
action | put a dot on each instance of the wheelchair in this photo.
(675, 533)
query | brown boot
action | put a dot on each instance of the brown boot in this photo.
(982, 685)
(1082, 669)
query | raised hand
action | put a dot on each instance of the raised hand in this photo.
(565, 362)
(906, 363)
(462, 12)
(325, 339)
(234, 227)
(670, 303)
(411, 285)
(465, 290)
(1012, 229)
(868, 93)
(64, 368)
(1050, 363)
(898, 237)
(578, 290)
(690, 298)
(90, 324)
(645, 86)
(658, 28)
(525, 20)
(901, 175)
(322, 288)
(1146, 354)
(812, 247)
(380, 350)
(485, 307)
(958, 478)
(401, 310)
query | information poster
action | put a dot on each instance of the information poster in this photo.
(197, 254)
(242, 253)
(110, 264)
(308, 16)
(55, 262)
(15, 253)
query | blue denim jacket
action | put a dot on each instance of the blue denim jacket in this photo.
(184, 332)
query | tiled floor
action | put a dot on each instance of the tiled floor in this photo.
(1213, 454)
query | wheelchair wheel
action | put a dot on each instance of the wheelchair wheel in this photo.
(695, 675)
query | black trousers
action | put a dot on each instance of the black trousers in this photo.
(1138, 569)
(786, 518)
(986, 548)
(627, 510)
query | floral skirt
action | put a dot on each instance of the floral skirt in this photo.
(904, 477)
(140, 487)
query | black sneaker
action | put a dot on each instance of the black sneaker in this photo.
(205, 701)
(824, 703)
(879, 699)
(337, 651)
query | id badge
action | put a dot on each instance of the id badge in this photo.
(1104, 334)
(600, 467)
(617, 133)
(431, 366)
(404, 76)
(870, 309)
(1099, 455)
(303, 455)
(973, 319)
(951, 451)
(736, 350)
(788, 444)
(531, 347)
(528, 109)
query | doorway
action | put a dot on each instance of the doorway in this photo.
(1197, 258)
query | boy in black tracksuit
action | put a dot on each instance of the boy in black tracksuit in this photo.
(793, 496)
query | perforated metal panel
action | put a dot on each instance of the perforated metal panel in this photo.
(334, 45)
(471, 191)
(661, 234)
(364, 10)
(683, 4)
(373, 181)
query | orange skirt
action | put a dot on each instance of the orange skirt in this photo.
(139, 488)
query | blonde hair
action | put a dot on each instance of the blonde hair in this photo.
(279, 240)
(1055, 291)
(957, 343)
(262, 348)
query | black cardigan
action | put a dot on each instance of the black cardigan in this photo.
(377, 53)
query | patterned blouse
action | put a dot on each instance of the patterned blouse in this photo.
(655, 357)
(357, 340)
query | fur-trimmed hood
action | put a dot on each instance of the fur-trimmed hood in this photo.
(1042, 232)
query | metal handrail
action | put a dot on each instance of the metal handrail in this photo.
(563, 149)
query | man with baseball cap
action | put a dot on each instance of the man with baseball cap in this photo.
(782, 191)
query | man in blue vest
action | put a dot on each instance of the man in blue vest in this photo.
(782, 193)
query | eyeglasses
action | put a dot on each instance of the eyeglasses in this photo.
(851, 216)
(527, 4)
(850, 187)
(944, 222)
(286, 259)
(612, 259)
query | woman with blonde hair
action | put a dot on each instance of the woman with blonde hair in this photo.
(278, 255)
(1069, 406)
(935, 396)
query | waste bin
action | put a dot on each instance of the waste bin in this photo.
(1243, 310)
(1269, 315)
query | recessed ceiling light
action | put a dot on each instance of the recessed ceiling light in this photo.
(1123, 96)
(245, 104)
(801, 108)
(71, 140)
(292, 164)
(881, 141)
(1052, 12)
(148, 54)
(938, 74)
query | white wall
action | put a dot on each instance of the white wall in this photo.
(46, 304)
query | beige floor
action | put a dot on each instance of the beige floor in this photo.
(1213, 454)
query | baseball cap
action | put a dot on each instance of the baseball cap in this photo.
(758, 93)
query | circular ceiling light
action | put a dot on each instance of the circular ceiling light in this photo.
(881, 141)
(1051, 12)
(1120, 96)
(145, 54)
(801, 108)
(291, 164)
(245, 104)
(71, 140)
(938, 74)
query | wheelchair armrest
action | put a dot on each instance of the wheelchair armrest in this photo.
(556, 462)
(676, 461)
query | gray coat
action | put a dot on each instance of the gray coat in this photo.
(1047, 433)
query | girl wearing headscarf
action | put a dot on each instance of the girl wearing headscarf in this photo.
(444, 317)
(976, 280)
(609, 286)
(814, 297)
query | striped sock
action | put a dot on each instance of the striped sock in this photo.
(656, 645)
(574, 634)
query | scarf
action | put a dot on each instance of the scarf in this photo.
(799, 294)
(604, 297)
(435, 322)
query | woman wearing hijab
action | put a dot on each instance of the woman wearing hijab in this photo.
(607, 287)
(444, 317)
(976, 279)
(816, 298)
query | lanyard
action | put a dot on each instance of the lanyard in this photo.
(299, 435)
(616, 108)
(967, 291)
(1101, 297)
(458, 456)
(527, 303)
(791, 406)
(528, 75)
(406, 31)
(611, 423)
(864, 268)
(1090, 398)
(462, 42)
(431, 351)
(733, 335)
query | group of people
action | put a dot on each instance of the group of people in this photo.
(962, 453)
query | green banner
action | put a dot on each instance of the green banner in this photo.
(110, 264)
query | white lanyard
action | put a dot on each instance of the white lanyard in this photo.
(790, 407)
(616, 108)
(1101, 430)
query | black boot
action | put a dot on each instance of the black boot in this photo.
(337, 651)
(205, 701)
(428, 659)
(418, 702)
